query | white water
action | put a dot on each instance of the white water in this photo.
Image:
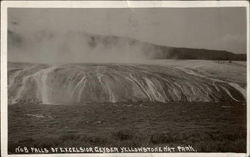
(93, 83)
(234, 85)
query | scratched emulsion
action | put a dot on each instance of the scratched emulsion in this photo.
(88, 83)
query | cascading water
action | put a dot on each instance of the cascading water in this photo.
(43, 89)
(99, 83)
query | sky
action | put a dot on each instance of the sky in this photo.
(209, 28)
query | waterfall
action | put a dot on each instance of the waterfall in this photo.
(74, 84)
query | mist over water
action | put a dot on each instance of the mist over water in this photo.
(76, 47)
(60, 47)
(73, 71)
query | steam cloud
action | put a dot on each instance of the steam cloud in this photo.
(59, 47)
(71, 47)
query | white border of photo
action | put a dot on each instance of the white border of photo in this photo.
(107, 4)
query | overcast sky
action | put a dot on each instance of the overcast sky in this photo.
(210, 28)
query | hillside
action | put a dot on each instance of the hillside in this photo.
(113, 83)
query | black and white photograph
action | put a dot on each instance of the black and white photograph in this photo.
(126, 80)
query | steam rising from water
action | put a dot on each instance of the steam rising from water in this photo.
(78, 47)
(75, 47)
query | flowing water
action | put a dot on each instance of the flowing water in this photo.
(88, 83)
